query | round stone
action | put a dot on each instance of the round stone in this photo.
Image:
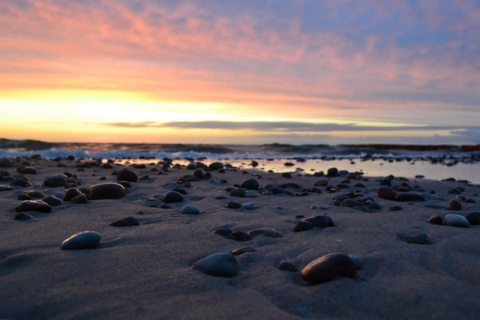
(80, 199)
(107, 190)
(173, 197)
(127, 175)
(55, 181)
(216, 166)
(221, 264)
(82, 240)
(320, 221)
(332, 172)
(435, 219)
(387, 193)
(238, 192)
(70, 194)
(125, 222)
(233, 205)
(454, 205)
(456, 220)
(27, 170)
(53, 201)
(190, 209)
(302, 226)
(250, 184)
(248, 206)
(287, 266)
(328, 267)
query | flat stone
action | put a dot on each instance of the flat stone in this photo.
(239, 236)
(107, 190)
(328, 267)
(5, 188)
(242, 250)
(216, 166)
(266, 232)
(320, 221)
(27, 170)
(238, 192)
(125, 222)
(173, 197)
(456, 220)
(222, 264)
(82, 240)
(407, 196)
(190, 209)
(233, 205)
(33, 205)
(419, 239)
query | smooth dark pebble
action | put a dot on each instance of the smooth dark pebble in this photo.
(127, 175)
(473, 218)
(250, 184)
(320, 221)
(82, 240)
(454, 205)
(107, 190)
(52, 200)
(80, 199)
(238, 192)
(328, 267)
(55, 181)
(287, 266)
(302, 226)
(70, 194)
(386, 192)
(404, 197)
(239, 236)
(22, 216)
(173, 197)
(125, 222)
(435, 219)
(233, 205)
(33, 205)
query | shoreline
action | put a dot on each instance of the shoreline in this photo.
(145, 271)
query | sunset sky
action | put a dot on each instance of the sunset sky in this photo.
(249, 71)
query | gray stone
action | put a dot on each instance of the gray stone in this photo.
(250, 184)
(190, 209)
(173, 197)
(221, 264)
(302, 226)
(473, 218)
(387, 193)
(248, 206)
(454, 205)
(82, 240)
(53, 201)
(80, 199)
(456, 220)
(127, 175)
(55, 181)
(238, 192)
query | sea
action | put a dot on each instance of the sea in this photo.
(438, 162)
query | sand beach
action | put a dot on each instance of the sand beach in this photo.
(231, 243)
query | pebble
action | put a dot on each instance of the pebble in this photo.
(27, 170)
(82, 240)
(357, 261)
(5, 163)
(190, 209)
(419, 239)
(403, 197)
(250, 184)
(302, 226)
(222, 264)
(454, 205)
(456, 220)
(173, 197)
(80, 199)
(248, 206)
(22, 216)
(320, 221)
(5, 188)
(332, 172)
(215, 166)
(242, 250)
(107, 190)
(224, 232)
(239, 236)
(33, 205)
(52, 200)
(55, 181)
(435, 219)
(286, 265)
(24, 196)
(267, 232)
(127, 175)
(238, 192)
(473, 218)
(387, 193)
(71, 193)
(328, 267)
(21, 182)
(125, 222)
(233, 205)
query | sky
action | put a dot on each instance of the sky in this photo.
(241, 72)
